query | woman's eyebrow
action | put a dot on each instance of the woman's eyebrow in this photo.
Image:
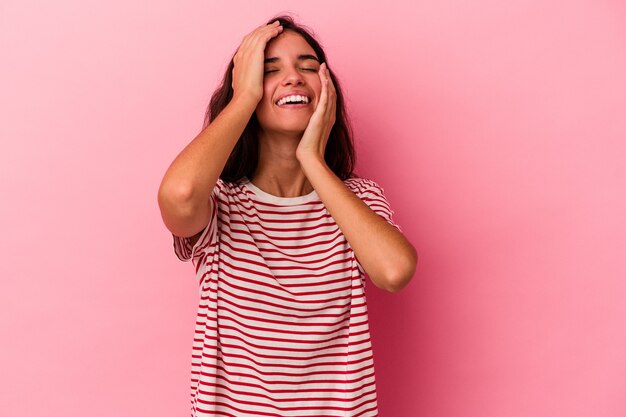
(302, 57)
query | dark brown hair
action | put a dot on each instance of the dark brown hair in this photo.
(339, 154)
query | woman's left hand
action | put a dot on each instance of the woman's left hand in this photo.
(315, 137)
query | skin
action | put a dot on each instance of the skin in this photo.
(291, 162)
(283, 129)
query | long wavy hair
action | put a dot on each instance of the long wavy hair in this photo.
(339, 153)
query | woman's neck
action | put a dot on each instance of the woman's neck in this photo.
(278, 170)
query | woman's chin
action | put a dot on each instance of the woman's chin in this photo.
(294, 127)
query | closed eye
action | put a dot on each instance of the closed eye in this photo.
(305, 69)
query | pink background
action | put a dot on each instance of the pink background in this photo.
(497, 130)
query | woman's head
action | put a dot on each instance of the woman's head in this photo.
(339, 152)
(291, 67)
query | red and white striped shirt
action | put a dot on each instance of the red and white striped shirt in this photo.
(282, 326)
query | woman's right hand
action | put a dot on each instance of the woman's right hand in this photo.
(249, 62)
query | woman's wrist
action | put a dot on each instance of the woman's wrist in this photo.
(245, 102)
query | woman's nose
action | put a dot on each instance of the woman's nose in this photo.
(292, 76)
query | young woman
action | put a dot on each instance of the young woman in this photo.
(265, 203)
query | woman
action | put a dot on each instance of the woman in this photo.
(265, 203)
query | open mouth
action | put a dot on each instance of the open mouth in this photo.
(294, 101)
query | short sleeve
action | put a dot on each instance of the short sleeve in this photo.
(183, 248)
(374, 196)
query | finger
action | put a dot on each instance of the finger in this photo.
(270, 29)
(329, 97)
(333, 95)
(263, 38)
(332, 98)
(252, 32)
(260, 31)
(266, 36)
(324, 94)
(331, 85)
(261, 28)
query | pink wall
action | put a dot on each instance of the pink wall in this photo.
(496, 128)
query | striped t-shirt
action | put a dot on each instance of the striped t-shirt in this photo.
(282, 326)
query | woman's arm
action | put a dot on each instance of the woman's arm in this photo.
(383, 251)
(185, 189)
(385, 254)
(184, 194)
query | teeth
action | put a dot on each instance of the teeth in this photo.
(293, 98)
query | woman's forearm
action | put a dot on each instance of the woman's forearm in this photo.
(190, 178)
(384, 253)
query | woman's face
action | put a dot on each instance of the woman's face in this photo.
(291, 66)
